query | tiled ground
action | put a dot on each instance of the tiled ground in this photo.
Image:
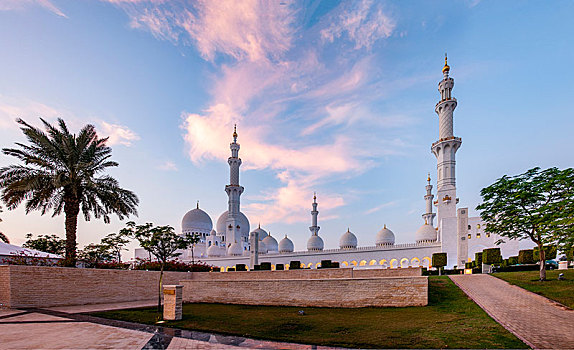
(539, 322)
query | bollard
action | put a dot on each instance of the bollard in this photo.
(172, 302)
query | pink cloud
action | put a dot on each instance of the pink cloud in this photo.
(118, 134)
(10, 5)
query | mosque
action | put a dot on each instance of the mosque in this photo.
(456, 234)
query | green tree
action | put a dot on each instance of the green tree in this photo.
(439, 261)
(116, 243)
(62, 171)
(93, 254)
(193, 240)
(537, 205)
(46, 243)
(160, 241)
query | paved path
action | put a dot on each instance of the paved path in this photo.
(67, 328)
(539, 322)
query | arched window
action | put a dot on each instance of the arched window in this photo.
(354, 263)
(415, 262)
(404, 263)
(394, 263)
(373, 262)
(363, 263)
(344, 263)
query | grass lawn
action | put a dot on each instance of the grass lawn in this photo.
(451, 320)
(552, 288)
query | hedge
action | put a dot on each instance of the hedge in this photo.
(468, 265)
(550, 251)
(439, 260)
(526, 256)
(265, 266)
(478, 259)
(513, 260)
(279, 267)
(491, 256)
(294, 265)
(240, 267)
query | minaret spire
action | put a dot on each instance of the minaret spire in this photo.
(428, 216)
(234, 191)
(315, 242)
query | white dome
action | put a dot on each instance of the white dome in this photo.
(262, 247)
(348, 240)
(214, 250)
(385, 237)
(262, 233)
(425, 233)
(286, 245)
(271, 244)
(235, 249)
(243, 224)
(315, 243)
(196, 220)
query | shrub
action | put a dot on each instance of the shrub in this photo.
(335, 264)
(468, 265)
(112, 265)
(256, 267)
(478, 259)
(294, 265)
(439, 260)
(172, 265)
(513, 260)
(325, 264)
(25, 258)
(491, 256)
(526, 256)
(265, 266)
(279, 267)
(514, 268)
(240, 267)
(549, 250)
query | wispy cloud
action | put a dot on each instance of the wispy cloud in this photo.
(118, 134)
(168, 165)
(11, 5)
(275, 85)
(379, 207)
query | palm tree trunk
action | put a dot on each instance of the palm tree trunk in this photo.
(71, 210)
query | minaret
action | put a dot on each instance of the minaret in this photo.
(428, 216)
(315, 243)
(445, 149)
(314, 213)
(234, 191)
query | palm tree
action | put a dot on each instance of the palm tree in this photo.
(59, 173)
(3, 237)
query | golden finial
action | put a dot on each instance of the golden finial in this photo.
(426, 222)
(314, 196)
(446, 68)
(259, 224)
(197, 205)
(385, 226)
(235, 132)
(428, 178)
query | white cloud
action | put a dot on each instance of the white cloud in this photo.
(363, 22)
(118, 134)
(379, 207)
(13, 108)
(11, 5)
(168, 165)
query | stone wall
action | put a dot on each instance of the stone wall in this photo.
(38, 286)
(307, 274)
(336, 292)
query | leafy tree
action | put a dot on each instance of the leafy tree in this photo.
(62, 171)
(160, 241)
(46, 243)
(193, 240)
(116, 243)
(94, 254)
(537, 205)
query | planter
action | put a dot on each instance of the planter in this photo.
(563, 265)
(486, 268)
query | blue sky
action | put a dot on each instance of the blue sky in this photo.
(333, 97)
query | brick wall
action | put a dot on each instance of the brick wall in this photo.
(338, 292)
(38, 286)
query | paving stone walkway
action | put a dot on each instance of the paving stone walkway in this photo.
(68, 328)
(539, 322)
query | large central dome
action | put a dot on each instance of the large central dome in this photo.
(243, 224)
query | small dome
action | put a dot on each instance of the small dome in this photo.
(212, 233)
(271, 244)
(348, 240)
(214, 250)
(262, 233)
(385, 237)
(286, 245)
(235, 249)
(262, 247)
(195, 220)
(315, 243)
(425, 233)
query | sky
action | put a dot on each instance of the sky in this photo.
(333, 97)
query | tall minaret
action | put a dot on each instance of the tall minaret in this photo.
(428, 216)
(314, 213)
(445, 150)
(315, 243)
(234, 191)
